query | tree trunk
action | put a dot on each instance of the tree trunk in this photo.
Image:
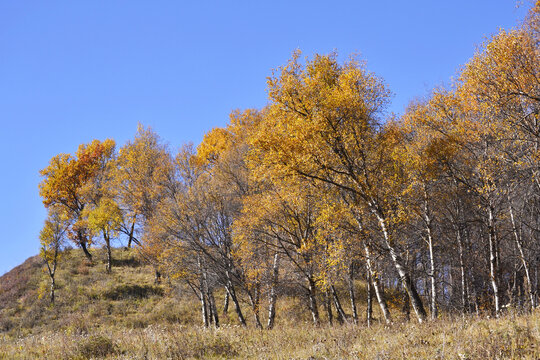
(415, 299)
(464, 301)
(328, 306)
(519, 245)
(212, 306)
(434, 311)
(157, 276)
(84, 248)
(53, 288)
(493, 260)
(427, 218)
(341, 316)
(232, 294)
(376, 286)
(204, 305)
(51, 268)
(313, 302)
(131, 231)
(461, 238)
(109, 255)
(226, 303)
(255, 304)
(352, 296)
(273, 293)
(202, 294)
(207, 292)
(369, 300)
(476, 296)
(406, 307)
(536, 285)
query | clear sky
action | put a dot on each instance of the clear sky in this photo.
(73, 71)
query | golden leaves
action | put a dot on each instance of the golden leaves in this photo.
(141, 171)
(105, 217)
(52, 236)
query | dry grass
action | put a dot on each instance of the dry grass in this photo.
(126, 316)
(507, 338)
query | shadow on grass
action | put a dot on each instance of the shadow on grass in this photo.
(128, 291)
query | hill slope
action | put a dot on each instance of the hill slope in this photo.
(87, 297)
(125, 315)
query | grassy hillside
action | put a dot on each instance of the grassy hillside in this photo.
(87, 297)
(126, 316)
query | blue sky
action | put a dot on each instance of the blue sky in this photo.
(73, 71)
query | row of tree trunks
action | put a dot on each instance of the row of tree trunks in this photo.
(210, 313)
(374, 288)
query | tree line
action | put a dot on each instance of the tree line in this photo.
(322, 187)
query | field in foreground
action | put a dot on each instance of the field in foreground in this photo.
(507, 338)
(126, 316)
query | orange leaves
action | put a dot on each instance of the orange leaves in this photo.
(61, 181)
(68, 180)
(73, 183)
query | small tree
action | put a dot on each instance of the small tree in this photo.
(73, 183)
(106, 218)
(52, 238)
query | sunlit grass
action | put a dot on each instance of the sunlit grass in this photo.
(506, 338)
(126, 316)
